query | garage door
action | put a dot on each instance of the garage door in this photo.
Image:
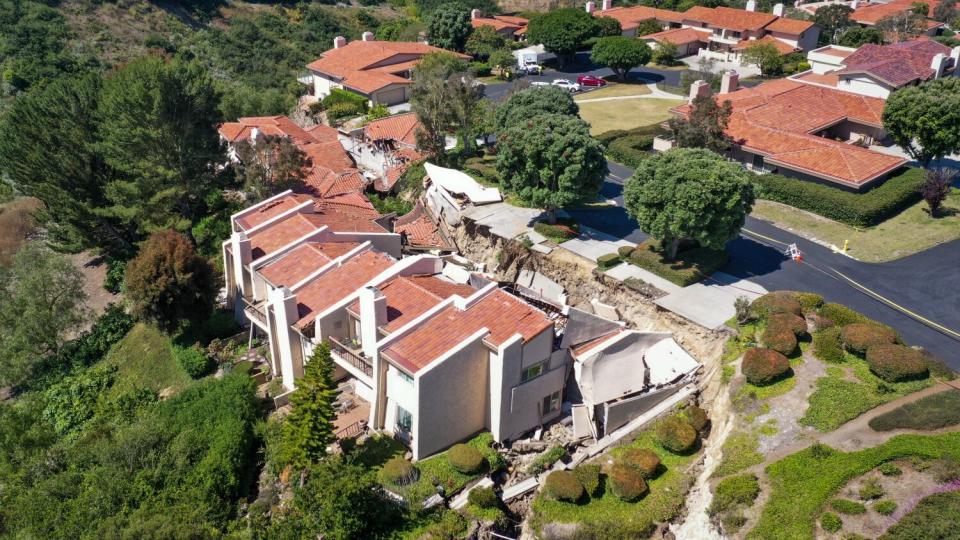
(391, 97)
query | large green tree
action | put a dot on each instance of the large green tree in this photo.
(168, 283)
(449, 27)
(765, 56)
(562, 31)
(689, 194)
(550, 161)
(704, 126)
(925, 120)
(444, 98)
(608, 26)
(483, 42)
(157, 128)
(621, 54)
(648, 26)
(832, 19)
(902, 26)
(270, 165)
(536, 100)
(858, 36)
(308, 430)
(41, 302)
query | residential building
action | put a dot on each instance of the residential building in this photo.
(630, 17)
(386, 147)
(377, 70)
(512, 28)
(687, 40)
(878, 70)
(870, 13)
(805, 131)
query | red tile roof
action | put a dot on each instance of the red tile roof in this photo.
(729, 18)
(782, 48)
(342, 217)
(338, 283)
(420, 229)
(630, 17)
(302, 261)
(496, 24)
(267, 125)
(323, 182)
(270, 210)
(679, 36)
(898, 64)
(408, 297)
(399, 127)
(267, 240)
(355, 203)
(330, 155)
(519, 21)
(390, 177)
(498, 312)
(784, 25)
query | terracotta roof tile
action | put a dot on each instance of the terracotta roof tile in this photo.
(267, 240)
(323, 182)
(267, 125)
(408, 297)
(898, 64)
(270, 210)
(420, 229)
(341, 218)
(496, 24)
(355, 203)
(337, 283)
(630, 17)
(783, 48)
(302, 261)
(399, 127)
(679, 36)
(784, 25)
(729, 18)
(583, 348)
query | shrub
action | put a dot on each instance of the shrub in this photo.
(626, 482)
(895, 363)
(827, 345)
(630, 150)
(871, 490)
(831, 522)
(340, 111)
(398, 472)
(339, 95)
(845, 506)
(885, 507)
(764, 366)
(624, 251)
(114, 279)
(480, 69)
(545, 460)
(889, 469)
(696, 417)
(561, 231)
(608, 137)
(857, 209)
(858, 337)
(789, 322)
(483, 497)
(690, 265)
(842, 315)
(820, 322)
(779, 339)
(676, 435)
(645, 461)
(465, 459)
(809, 302)
(734, 491)
(775, 302)
(607, 261)
(732, 521)
(563, 486)
(589, 477)
(193, 361)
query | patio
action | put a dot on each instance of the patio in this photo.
(353, 413)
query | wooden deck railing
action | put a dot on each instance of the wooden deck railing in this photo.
(352, 430)
(352, 358)
(254, 311)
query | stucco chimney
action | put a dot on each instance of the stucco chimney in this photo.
(590, 7)
(854, 5)
(699, 89)
(339, 41)
(373, 314)
(607, 4)
(367, 36)
(474, 13)
(938, 64)
(254, 133)
(751, 5)
(778, 10)
(729, 82)
(955, 54)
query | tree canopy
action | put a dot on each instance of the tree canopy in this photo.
(550, 161)
(648, 26)
(308, 430)
(665, 53)
(449, 26)
(858, 36)
(831, 19)
(536, 100)
(902, 26)
(608, 26)
(562, 31)
(704, 126)
(444, 98)
(484, 41)
(270, 165)
(689, 194)
(621, 54)
(925, 120)
(765, 56)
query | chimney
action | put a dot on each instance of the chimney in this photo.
(373, 314)
(367, 36)
(955, 54)
(607, 4)
(778, 10)
(474, 13)
(729, 82)
(284, 305)
(590, 7)
(339, 41)
(854, 5)
(938, 63)
(699, 89)
(254, 133)
(751, 5)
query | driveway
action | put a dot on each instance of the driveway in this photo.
(927, 284)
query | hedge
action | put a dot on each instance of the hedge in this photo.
(546, 460)
(398, 472)
(775, 302)
(895, 363)
(339, 95)
(645, 461)
(820, 322)
(841, 315)
(630, 150)
(563, 486)
(763, 366)
(691, 265)
(809, 302)
(605, 262)
(779, 339)
(339, 111)
(676, 435)
(626, 482)
(827, 345)
(483, 497)
(465, 459)
(858, 337)
(485, 172)
(857, 209)
(589, 477)
(651, 130)
(786, 321)
(564, 229)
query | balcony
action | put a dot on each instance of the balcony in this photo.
(726, 39)
(352, 356)
(256, 312)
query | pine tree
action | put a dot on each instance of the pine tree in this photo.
(308, 429)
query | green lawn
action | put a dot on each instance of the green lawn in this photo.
(739, 453)
(614, 90)
(911, 231)
(144, 359)
(803, 483)
(931, 412)
(662, 503)
(627, 114)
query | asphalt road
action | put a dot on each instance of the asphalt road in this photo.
(927, 283)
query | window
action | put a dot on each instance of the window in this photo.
(551, 403)
(532, 372)
(757, 162)
(404, 419)
(404, 377)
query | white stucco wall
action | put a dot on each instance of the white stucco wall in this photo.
(864, 85)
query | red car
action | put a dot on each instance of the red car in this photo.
(590, 80)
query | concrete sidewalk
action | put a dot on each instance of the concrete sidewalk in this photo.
(710, 303)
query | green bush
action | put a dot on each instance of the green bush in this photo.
(546, 460)
(339, 96)
(896, 363)
(563, 230)
(114, 279)
(786, 321)
(696, 417)
(608, 137)
(775, 302)
(483, 497)
(779, 339)
(764, 366)
(340, 111)
(626, 482)
(676, 435)
(605, 262)
(858, 337)
(465, 459)
(624, 251)
(630, 150)
(831, 522)
(645, 461)
(885, 507)
(563, 486)
(848, 507)
(809, 302)
(857, 209)
(193, 361)
(589, 477)
(827, 345)
(480, 69)
(889, 469)
(689, 267)
(734, 491)
(398, 472)
(871, 490)
(651, 130)
(842, 315)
